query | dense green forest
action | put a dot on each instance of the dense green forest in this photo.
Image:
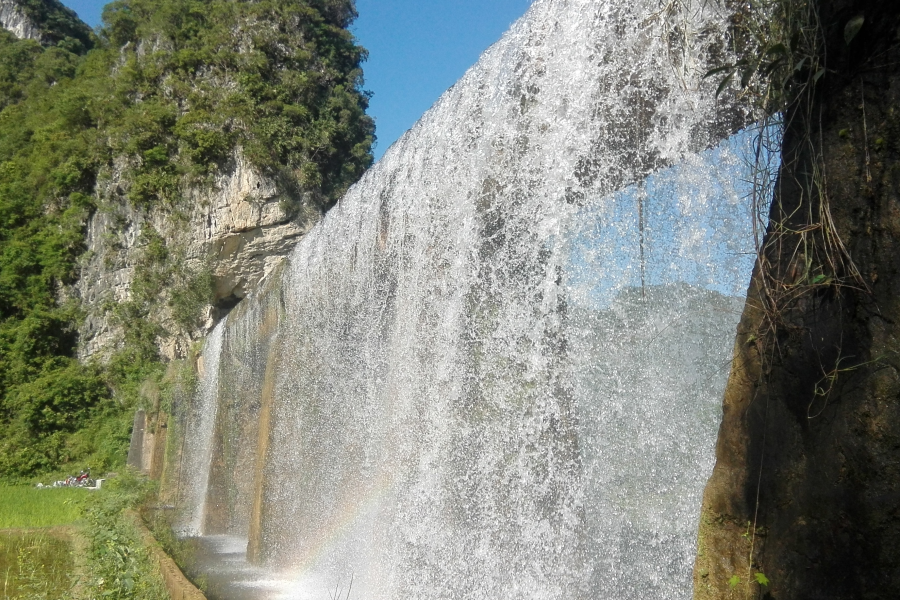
(168, 88)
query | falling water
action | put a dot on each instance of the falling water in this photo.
(494, 369)
(197, 453)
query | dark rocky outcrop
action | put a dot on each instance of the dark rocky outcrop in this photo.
(806, 489)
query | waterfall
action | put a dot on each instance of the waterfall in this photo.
(197, 454)
(494, 370)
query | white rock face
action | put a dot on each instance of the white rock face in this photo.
(13, 18)
(246, 228)
(239, 230)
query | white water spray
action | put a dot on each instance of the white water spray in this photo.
(198, 441)
(494, 369)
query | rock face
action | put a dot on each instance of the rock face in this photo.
(236, 231)
(806, 489)
(45, 21)
(14, 19)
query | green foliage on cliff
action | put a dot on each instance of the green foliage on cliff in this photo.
(59, 25)
(190, 87)
(168, 92)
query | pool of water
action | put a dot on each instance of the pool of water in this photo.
(220, 563)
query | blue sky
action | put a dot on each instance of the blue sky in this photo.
(697, 225)
(417, 49)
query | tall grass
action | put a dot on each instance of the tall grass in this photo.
(27, 507)
(119, 565)
(35, 566)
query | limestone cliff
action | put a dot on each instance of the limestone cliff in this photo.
(803, 501)
(218, 138)
(45, 21)
(235, 231)
(13, 18)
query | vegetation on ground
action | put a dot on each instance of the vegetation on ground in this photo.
(75, 543)
(159, 99)
(119, 565)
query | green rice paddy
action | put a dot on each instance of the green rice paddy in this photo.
(74, 544)
(28, 507)
(36, 565)
(36, 560)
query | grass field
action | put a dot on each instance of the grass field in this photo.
(28, 507)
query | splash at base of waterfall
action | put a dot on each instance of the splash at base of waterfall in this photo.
(220, 562)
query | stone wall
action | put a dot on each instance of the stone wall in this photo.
(177, 585)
